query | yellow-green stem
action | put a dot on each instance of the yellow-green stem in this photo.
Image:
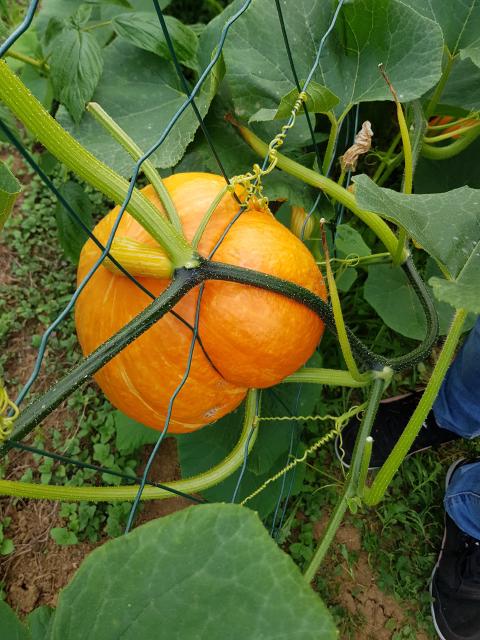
(335, 191)
(450, 150)
(16, 55)
(437, 94)
(332, 139)
(66, 149)
(386, 158)
(338, 315)
(407, 154)
(331, 377)
(208, 214)
(375, 493)
(450, 134)
(148, 168)
(453, 123)
(362, 477)
(139, 259)
(194, 484)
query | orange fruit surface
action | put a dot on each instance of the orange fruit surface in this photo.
(254, 338)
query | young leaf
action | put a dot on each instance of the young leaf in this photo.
(142, 30)
(161, 580)
(320, 100)
(63, 537)
(71, 236)
(75, 65)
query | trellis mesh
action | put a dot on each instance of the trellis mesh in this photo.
(288, 473)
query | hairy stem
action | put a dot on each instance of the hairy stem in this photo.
(330, 377)
(437, 94)
(195, 484)
(118, 134)
(450, 150)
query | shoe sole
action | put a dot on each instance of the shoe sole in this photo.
(450, 471)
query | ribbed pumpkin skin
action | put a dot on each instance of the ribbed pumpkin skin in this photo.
(258, 340)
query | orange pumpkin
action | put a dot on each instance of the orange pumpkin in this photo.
(254, 338)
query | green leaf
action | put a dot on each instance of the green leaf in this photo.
(210, 571)
(258, 71)
(142, 31)
(349, 241)
(320, 100)
(39, 85)
(71, 236)
(346, 278)
(458, 19)
(446, 225)
(6, 547)
(63, 537)
(141, 92)
(473, 53)
(10, 189)
(12, 628)
(463, 292)
(75, 67)
(463, 86)
(433, 176)
(130, 435)
(39, 623)
(389, 292)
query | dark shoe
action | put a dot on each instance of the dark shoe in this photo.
(455, 585)
(392, 417)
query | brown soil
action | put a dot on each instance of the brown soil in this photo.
(375, 614)
(38, 569)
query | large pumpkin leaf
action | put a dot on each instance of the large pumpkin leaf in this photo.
(12, 628)
(459, 21)
(206, 572)
(141, 92)
(446, 225)
(258, 71)
(463, 86)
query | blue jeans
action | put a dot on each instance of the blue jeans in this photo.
(457, 408)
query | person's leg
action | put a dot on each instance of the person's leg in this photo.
(457, 407)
